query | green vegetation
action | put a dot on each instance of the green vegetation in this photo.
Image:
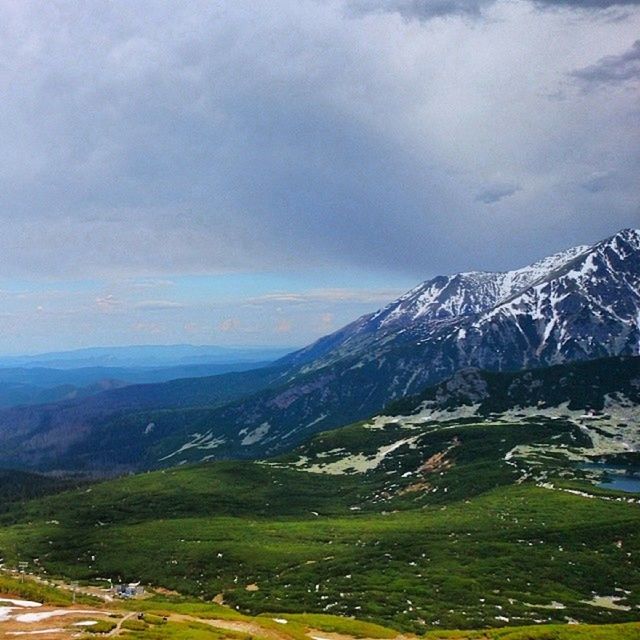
(548, 632)
(180, 631)
(165, 606)
(31, 590)
(440, 534)
(179, 618)
(17, 486)
(300, 627)
(101, 626)
(336, 624)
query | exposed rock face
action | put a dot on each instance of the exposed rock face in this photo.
(581, 304)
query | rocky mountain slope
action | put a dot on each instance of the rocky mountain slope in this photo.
(597, 400)
(588, 387)
(419, 310)
(608, 388)
(577, 305)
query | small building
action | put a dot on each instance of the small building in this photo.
(130, 590)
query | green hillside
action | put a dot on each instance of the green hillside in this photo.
(161, 617)
(16, 486)
(437, 530)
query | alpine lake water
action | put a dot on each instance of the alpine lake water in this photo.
(616, 476)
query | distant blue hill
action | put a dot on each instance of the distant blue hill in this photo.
(145, 356)
(39, 385)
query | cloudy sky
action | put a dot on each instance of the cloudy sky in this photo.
(230, 172)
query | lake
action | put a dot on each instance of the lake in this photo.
(618, 477)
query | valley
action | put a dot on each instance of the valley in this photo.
(577, 306)
(320, 320)
(412, 526)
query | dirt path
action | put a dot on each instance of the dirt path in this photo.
(254, 629)
(250, 628)
(116, 630)
(234, 625)
(58, 583)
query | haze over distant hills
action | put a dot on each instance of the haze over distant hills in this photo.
(145, 356)
(581, 304)
(71, 375)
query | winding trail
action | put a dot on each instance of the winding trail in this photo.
(116, 630)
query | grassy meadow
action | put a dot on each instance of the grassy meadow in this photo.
(462, 546)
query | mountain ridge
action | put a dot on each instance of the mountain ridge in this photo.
(577, 305)
(449, 298)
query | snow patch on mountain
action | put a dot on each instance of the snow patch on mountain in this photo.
(198, 441)
(256, 435)
(357, 463)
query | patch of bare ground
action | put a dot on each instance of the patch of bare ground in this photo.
(53, 623)
(437, 463)
(239, 626)
(318, 634)
(415, 487)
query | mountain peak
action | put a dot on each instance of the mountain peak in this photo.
(483, 294)
(629, 236)
(470, 292)
(629, 233)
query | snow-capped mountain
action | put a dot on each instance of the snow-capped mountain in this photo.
(467, 293)
(443, 298)
(577, 305)
(586, 308)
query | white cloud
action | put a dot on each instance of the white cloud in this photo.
(107, 303)
(328, 296)
(229, 325)
(158, 305)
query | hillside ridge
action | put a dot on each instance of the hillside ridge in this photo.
(578, 305)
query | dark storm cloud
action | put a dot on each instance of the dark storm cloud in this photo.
(427, 9)
(193, 137)
(496, 192)
(611, 70)
(599, 182)
(421, 9)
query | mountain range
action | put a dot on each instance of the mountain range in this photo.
(580, 304)
(43, 385)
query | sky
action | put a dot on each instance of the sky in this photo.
(261, 173)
